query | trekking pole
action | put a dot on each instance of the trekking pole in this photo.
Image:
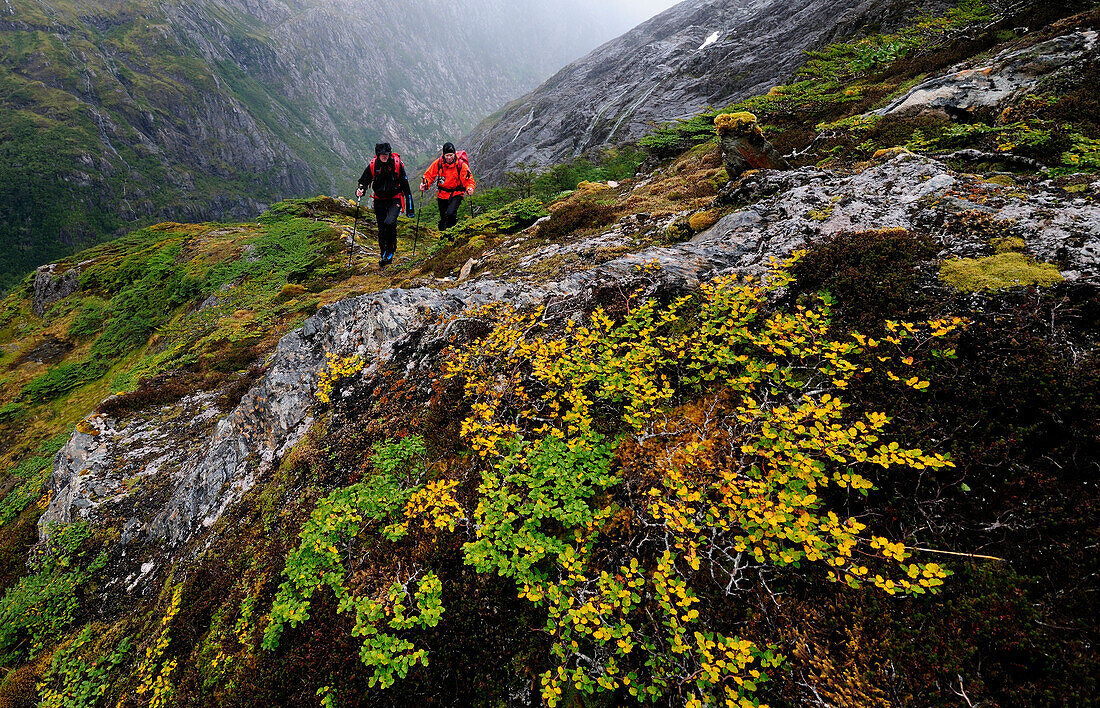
(354, 229)
(416, 234)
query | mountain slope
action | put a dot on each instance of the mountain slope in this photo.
(818, 435)
(700, 53)
(119, 111)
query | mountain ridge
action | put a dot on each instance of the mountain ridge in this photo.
(826, 433)
(661, 71)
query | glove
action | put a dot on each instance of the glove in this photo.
(410, 212)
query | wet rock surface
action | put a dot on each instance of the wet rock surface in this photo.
(168, 476)
(741, 153)
(48, 351)
(1009, 75)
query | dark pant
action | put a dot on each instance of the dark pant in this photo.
(448, 211)
(386, 212)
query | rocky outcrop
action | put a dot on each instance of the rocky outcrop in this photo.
(700, 53)
(744, 146)
(1010, 75)
(917, 193)
(169, 475)
(51, 286)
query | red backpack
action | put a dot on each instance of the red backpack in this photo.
(396, 164)
(396, 169)
(461, 159)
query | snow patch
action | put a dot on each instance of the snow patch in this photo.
(709, 41)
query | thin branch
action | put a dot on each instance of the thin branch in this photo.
(963, 555)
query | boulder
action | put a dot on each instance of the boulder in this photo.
(744, 146)
(51, 286)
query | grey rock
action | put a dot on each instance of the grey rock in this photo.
(51, 286)
(741, 153)
(1010, 74)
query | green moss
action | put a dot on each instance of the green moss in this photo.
(704, 220)
(1004, 270)
(679, 231)
(1008, 244)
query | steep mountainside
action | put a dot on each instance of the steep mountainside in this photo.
(824, 434)
(117, 111)
(698, 54)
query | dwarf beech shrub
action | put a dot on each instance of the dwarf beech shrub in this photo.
(750, 450)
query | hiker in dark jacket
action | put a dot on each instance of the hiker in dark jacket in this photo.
(453, 179)
(392, 195)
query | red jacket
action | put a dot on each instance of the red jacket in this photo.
(457, 178)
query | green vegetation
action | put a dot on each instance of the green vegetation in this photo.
(131, 297)
(35, 612)
(29, 476)
(76, 170)
(77, 681)
(996, 272)
(329, 540)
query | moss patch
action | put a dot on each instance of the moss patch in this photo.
(704, 220)
(1003, 270)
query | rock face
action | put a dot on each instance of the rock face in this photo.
(50, 286)
(700, 53)
(1008, 76)
(169, 475)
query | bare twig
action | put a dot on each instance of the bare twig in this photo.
(962, 555)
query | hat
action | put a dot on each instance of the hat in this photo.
(382, 149)
(448, 147)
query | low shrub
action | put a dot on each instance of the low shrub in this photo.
(870, 273)
(576, 215)
(64, 378)
(40, 607)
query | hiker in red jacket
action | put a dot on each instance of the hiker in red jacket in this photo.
(453, 180)
(392, 195)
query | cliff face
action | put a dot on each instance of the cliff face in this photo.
(122, 111)
(699, 54)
